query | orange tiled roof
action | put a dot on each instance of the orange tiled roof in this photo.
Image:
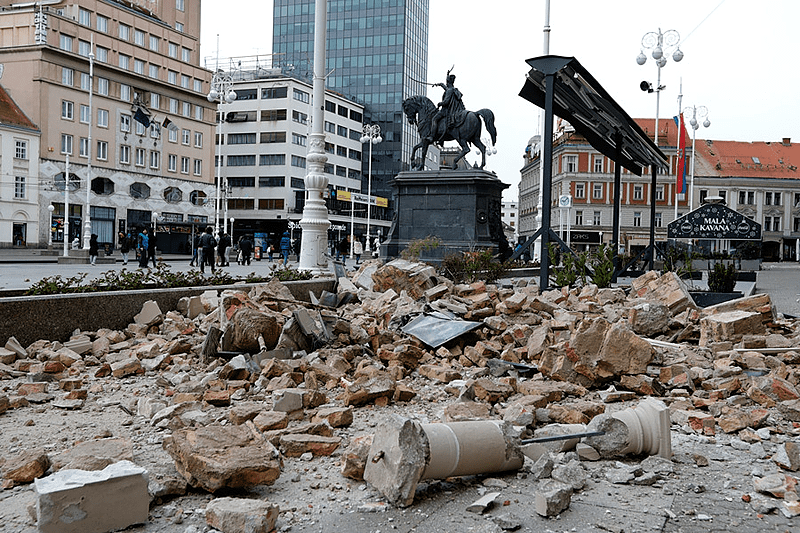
(11, 114)
(748, 159)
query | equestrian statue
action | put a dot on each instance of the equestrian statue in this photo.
(448, 121)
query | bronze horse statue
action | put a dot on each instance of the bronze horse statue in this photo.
(466, 130)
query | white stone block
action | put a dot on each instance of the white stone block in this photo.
(81, 501)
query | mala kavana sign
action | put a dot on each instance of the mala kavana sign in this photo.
(714, 221)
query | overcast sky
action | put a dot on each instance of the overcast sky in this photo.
(740, 59)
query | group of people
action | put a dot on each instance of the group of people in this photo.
(144, 245)
(205, 244)
(343, 248)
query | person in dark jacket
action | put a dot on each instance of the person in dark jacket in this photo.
(343, 248)
(142, 246)
(93, 249)
(207, 245)
(195, 251)
(224, 243)
(246, 248)
(124, 246)
(286, 247)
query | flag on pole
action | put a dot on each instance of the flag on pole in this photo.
(141, 117)
(169, 124)
(680, 175)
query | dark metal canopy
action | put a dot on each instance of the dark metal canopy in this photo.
(582, 101)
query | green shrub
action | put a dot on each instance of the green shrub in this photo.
(722, 278)
(469, 267)
(417, 246)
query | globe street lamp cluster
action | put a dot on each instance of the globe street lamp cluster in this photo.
(222, 93)
(661, 44)
(372, 135)
(697, 113)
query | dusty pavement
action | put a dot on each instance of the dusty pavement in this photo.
(734, 413)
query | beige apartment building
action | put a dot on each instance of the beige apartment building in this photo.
(115, 86)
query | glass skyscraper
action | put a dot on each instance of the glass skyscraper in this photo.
(377, 54)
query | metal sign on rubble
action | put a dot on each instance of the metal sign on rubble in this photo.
(714, 221)
(435, 329)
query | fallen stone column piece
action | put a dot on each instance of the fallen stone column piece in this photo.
(645, 430)
(81, 501)
(405, 452)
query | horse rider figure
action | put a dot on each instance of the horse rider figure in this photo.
(450, 108)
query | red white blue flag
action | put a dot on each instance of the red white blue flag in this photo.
(680, 181)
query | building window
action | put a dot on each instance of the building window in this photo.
(19, 187)
(102, 118)
(179, 5)
(299, 140)
(659, 193)
(703, 195)
(185, 81)
(155, 159)
(186, 55)
(298, 161)
(578, 218)
(172, 135)
(102, 150)
(155, 130)
(570, 163)
(125, 123)
(66, 144)
(274, 92)
(723, 195)
(124, 32)
(273, 137)
(301, 96)
(598, 164)
(197, 198)
(141, 155)
(241, 160)
(638, 192)
(102, 24)
(65, 43)
(341, 131)
(84, 48)
(84, 17)
(153, 71)
(124, 62)
(125, 92)
(272, 160)
(658, 220)
(198, 167)
(172, 78)
(637, 219)
(125, 154)
(330, 127)
(198, 86)
(138, 37)
(198, 112)
(83, 150)
(155, 100)
(300, 118)
(187, 110)
(173, 195)
(102, 86)
(67, 76)
(242, 181)
(330, 107)
(776, 224)
(185, 136)
(797, 224)
(746, 197)
(184, 165)
(596, 218)
(580, 190)
(172, 163)
(354, 154)
(271, 181)
(102, 54)
(154, 43)
(597, 191)
(271, 204)
(772, 198)
(138, 66)
(67, 110)
(198, 139)
(179, 26)
(20, 149)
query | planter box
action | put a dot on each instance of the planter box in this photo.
(750, 264)
(699, 264)
(706, 299)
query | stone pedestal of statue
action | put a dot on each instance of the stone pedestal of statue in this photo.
(462, 208)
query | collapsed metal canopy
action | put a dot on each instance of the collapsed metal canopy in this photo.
(582, 101)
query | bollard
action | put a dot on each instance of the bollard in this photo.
(405, 452)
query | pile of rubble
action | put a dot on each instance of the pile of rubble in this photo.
(243, 380)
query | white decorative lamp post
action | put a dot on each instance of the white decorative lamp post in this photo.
(50, 208)
(87, 225)
(698, 113)
(222, 93)
(372, 135)
(315, 222)
(233, 241)
(661, 44)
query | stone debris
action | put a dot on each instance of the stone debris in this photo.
(241, 382)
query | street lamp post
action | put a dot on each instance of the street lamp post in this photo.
(87, 225)
(661, 44)
(372, 135)
(698, 113)
(156, 215)
(50, 228)
(66, 208)
(233, 241)
(222, 93)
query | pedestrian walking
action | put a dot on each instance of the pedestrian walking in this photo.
(343, 248)
(246, 249)
(286, 247)
(124, 246)
(151, 249)
(207, 245)
(270, 251)
(358, 249)
(222, 249)
(142, 248)
(195, 251)
(93, 249)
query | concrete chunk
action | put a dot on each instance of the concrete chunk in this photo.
(92, 502)
(552, 498)
(240, 515)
